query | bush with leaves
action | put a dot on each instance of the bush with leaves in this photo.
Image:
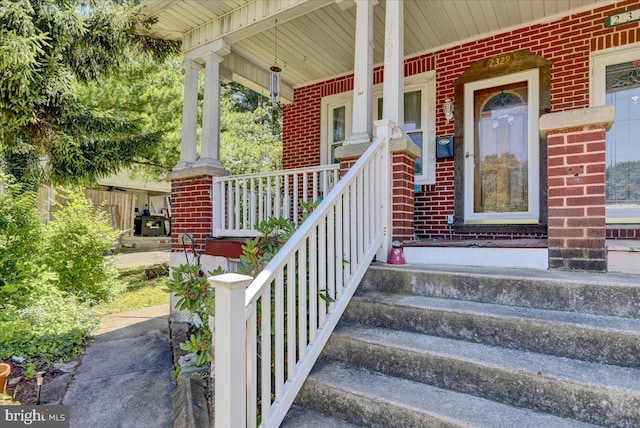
(53, 327)
(276, 231)
(36, 318)
(257, 252)
(76, 242)
(191, 287)
(21, 238)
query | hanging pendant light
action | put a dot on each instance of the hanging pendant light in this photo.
(275, 82)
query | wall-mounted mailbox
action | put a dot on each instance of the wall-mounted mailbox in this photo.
(444, 147)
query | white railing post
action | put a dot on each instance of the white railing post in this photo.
(384, 128)
(230, 350)
(218, 204)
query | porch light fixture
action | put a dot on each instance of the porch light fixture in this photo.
(447, 108)
(275, 82)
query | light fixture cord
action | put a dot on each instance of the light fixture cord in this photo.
(276, 47)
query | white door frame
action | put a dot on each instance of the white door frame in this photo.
(531, 216)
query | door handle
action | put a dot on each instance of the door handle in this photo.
(468, 155)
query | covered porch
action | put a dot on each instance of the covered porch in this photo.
(370, 91)
(329, 47)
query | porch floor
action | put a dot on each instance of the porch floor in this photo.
(630, 245)
(484, 243)
(623, 254)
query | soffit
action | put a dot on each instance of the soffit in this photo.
(316, 37)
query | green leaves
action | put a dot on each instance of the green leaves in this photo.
(42, 268)
(46, 48)
(191, 287)
(75, 244)
(21, 238)
(257, 252)
(201, 344)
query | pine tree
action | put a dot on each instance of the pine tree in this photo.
(48, 48)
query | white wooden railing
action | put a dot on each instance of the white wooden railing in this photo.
(243, 201)
(281, 315)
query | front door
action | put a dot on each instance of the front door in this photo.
(502, 150)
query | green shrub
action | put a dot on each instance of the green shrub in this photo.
(21, 239)
(257, 252)
(76, 241)
(53, 327)
(191, 287)
(49, 275)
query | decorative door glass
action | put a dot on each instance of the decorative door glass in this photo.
(623, 141)
(501, 149)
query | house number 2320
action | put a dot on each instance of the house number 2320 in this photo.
(499, 61)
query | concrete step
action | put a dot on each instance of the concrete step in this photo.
(623, 256)
(588, 392)
(300, 417)
(372, 399)
(596, 293)
(596, 338)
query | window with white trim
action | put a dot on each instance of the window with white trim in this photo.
(616, 81)
(419, 122)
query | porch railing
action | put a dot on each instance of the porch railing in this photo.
(270, 331)
(245, 200)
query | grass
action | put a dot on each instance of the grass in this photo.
(141, 292)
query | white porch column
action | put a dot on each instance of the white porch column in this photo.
(393, 87)
(210, 149)
(189, 139)
(362, 122)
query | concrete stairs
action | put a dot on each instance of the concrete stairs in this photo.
(437, 346)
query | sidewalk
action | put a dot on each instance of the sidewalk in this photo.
(124, 379)
(141, 258)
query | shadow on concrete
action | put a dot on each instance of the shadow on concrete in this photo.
(124, 379)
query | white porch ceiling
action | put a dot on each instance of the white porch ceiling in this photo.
(316, 37)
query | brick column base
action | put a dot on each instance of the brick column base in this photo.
(403, 154)
(576, 178)
(191, 211)
(402, 195)
(192, 205)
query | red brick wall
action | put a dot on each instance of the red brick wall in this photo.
(402, 213)
(567, 43)
(402, 196)
(191, 211)
(623, 233)
(576, 174)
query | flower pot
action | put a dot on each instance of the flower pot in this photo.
(5, 369)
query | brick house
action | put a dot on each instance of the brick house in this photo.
(512, 127)
(456, 195)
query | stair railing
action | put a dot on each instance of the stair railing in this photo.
(271, 330)
(242, 201)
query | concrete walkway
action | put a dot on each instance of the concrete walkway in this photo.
(124, 379)
(141, 258)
